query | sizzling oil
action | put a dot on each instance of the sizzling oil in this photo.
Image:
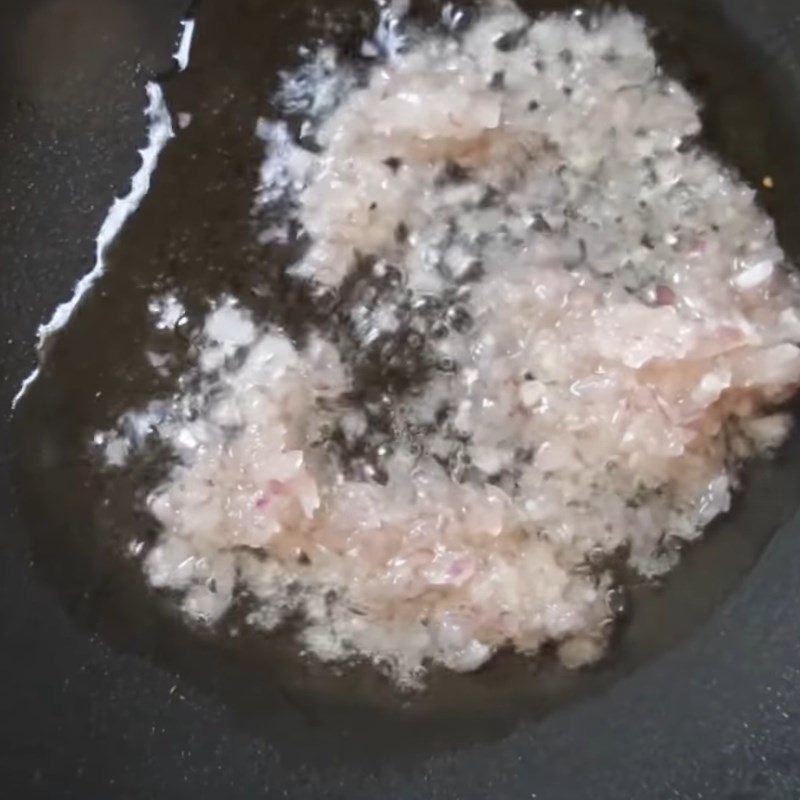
(195, 231)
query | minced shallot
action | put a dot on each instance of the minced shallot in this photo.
(601, 321)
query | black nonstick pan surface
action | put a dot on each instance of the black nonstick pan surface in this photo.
(103, 692)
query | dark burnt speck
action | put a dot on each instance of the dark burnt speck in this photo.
(440, 330)
(687, 143)
(393, 163)
(511, 40)
(540, 224)
(460, 319)
(453, 172)
(491, 198)
(498, 81)
(447, 365)
(443, 413)
(473, 273)
(579, 257)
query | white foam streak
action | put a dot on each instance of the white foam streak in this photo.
(185, 44)
(24, 387)
(160, 131)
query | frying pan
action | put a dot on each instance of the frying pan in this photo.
(103, 691)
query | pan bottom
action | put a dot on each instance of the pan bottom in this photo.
(81, 519)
